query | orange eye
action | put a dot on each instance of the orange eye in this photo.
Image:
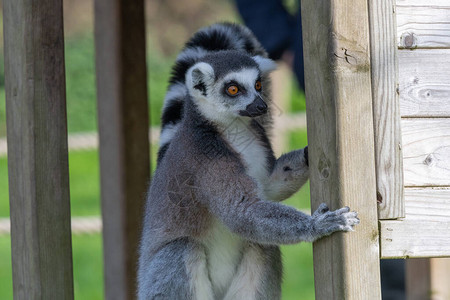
(258, 85)
(232, 90)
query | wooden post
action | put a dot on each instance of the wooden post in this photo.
(341, 141)
(37, 149)
(123, 130)
(386, 109)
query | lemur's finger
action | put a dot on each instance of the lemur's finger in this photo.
(323, 208)
(348, 228)
(343, 210)
(352, 221)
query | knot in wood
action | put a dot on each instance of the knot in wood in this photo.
(409, 40)
(324, 167)
(379, 198)
(428, 160)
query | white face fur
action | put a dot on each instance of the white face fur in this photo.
(224, 99)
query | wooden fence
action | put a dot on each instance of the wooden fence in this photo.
(379, 139)
(379, 101)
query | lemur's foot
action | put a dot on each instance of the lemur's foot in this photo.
(325, 222)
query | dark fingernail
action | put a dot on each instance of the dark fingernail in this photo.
(306, 155)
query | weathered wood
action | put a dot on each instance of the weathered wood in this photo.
(123, 130)
(428, 279)
(428, 204)
(340, 135)
(423, 24)
(424, 83)
(422, 2)
(426, 151)
(409, 238)
(386, 111)
(37, 149)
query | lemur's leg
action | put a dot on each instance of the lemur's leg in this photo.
(258, 275)
(177, 271)
(289, 174)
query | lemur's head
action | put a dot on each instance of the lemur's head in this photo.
(227, 84)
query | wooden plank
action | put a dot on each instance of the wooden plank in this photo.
(423, 24)
(424, 83)
(426, 151)
(123, 133)
(425, 230)
(428, 279)
(414, 238)
(37, 149)
(428, 204)
(340, 135)
(386, 111)
(422, 2)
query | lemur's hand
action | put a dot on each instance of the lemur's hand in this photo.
(290, 172)
(325, 222)
(297, 165)
(305, 153)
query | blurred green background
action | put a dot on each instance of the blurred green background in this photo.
(168, 26)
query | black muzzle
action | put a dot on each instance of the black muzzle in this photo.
(256, 108)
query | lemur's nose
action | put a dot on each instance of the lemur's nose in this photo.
(256, 108)
(262, 106)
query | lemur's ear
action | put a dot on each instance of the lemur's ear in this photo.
(198, 77)
(266, 65)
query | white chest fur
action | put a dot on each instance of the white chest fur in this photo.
(224, 253)
(245, 141)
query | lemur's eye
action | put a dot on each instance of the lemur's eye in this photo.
(258, 85)
(232, 90)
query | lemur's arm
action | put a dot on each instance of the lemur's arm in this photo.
(289, 174)
(232, 198)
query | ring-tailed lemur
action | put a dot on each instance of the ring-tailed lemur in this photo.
(212, 224)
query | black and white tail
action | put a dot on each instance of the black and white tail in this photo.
(218, 37)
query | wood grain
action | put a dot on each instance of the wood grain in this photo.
(123, 133)
(424, 83)
(37, 149)
(414, 238)
(423, 24)
(425, 230)
(422, 2)
(426, 151)
(340, 135)
(386, 111)
(425, 204)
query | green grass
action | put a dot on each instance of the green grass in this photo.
(4, 202)
(298, 280)
(87, 267)
(84, 183)
(5, 268)
(80, 83)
